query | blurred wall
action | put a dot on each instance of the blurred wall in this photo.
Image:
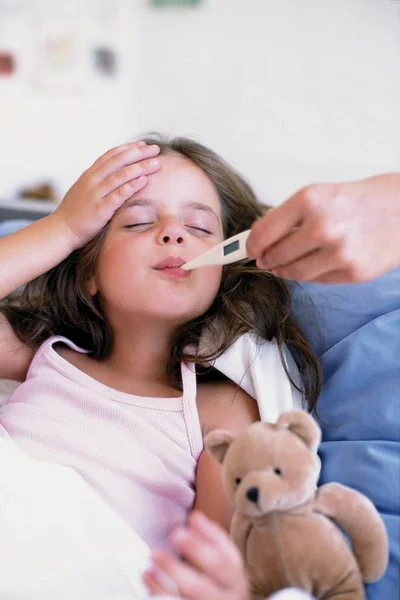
(290, 91)
(55, 125)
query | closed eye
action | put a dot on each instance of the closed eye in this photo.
(138, 225)
(199, 229)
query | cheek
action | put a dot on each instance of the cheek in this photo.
(211, 280)
(116, 264)
(127, 250)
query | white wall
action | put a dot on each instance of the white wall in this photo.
(290, 91)
(57, 131)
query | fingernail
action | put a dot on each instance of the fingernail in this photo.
(154, 162)
(260, 263)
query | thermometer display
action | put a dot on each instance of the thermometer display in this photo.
(229, 248)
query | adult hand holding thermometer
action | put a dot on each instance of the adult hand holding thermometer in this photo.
(228, 251)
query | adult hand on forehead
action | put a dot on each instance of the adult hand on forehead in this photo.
(101, 190)
(332, 233)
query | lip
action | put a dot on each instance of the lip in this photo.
(172, 267)
(170, 263)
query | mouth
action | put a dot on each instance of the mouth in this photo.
(172, 267)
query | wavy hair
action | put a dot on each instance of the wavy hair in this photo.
(248, 300)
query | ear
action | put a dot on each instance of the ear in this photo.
(217, 443)
(303, 425)
(92, 286)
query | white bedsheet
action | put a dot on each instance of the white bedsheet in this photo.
(58, 539)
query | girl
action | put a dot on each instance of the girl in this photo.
(106, 334)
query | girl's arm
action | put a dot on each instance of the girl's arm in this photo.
(86, 209)
(26, 254)
(221, 405)
(212, 566)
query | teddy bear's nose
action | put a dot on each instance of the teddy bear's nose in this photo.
(252, 494)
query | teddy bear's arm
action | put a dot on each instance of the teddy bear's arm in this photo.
(240, 529)
(358, 517)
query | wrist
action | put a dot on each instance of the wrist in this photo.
(60, 228)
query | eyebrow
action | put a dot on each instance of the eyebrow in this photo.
(195, 205)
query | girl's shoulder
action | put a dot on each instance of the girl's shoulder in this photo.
(225, 405)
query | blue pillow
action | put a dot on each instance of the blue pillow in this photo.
(355, 330)
(12, 225)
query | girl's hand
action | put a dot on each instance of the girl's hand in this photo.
(104, 187)
(211, 569)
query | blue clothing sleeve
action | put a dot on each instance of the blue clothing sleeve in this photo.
(355, 330)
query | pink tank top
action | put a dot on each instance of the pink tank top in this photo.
(140, 454)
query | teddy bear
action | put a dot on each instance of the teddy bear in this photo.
(290, 532)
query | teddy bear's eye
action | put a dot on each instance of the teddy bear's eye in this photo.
(277, 471)
(238, 480)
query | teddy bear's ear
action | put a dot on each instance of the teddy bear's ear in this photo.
(303, 425)
(217, 443)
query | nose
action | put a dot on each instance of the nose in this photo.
(252, 494)
(172, 232)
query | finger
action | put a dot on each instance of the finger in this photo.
(126, 175)
(139, 145)
(114, 151)
(212, 553)
(298, 243)
(274, 225)
(213, 532)
(338, 276)
(152, 583)
(130, 155)
(119, 196)
(192, 584)
(158, 584)
(311, 267)
(311, 200)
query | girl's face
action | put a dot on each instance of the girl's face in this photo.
(174, 218)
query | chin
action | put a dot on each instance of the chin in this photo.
(176, 312)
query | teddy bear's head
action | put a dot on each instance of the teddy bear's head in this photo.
(269, 466)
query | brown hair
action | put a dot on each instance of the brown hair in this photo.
(58, 302)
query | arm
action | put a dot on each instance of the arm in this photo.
(333, 232)
(221, 405)
(86, 209)
(358, 517)
(212, 566)
(26, 254)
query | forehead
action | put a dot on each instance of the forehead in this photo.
(179, 181)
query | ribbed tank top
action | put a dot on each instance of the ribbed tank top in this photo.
(138, 453)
